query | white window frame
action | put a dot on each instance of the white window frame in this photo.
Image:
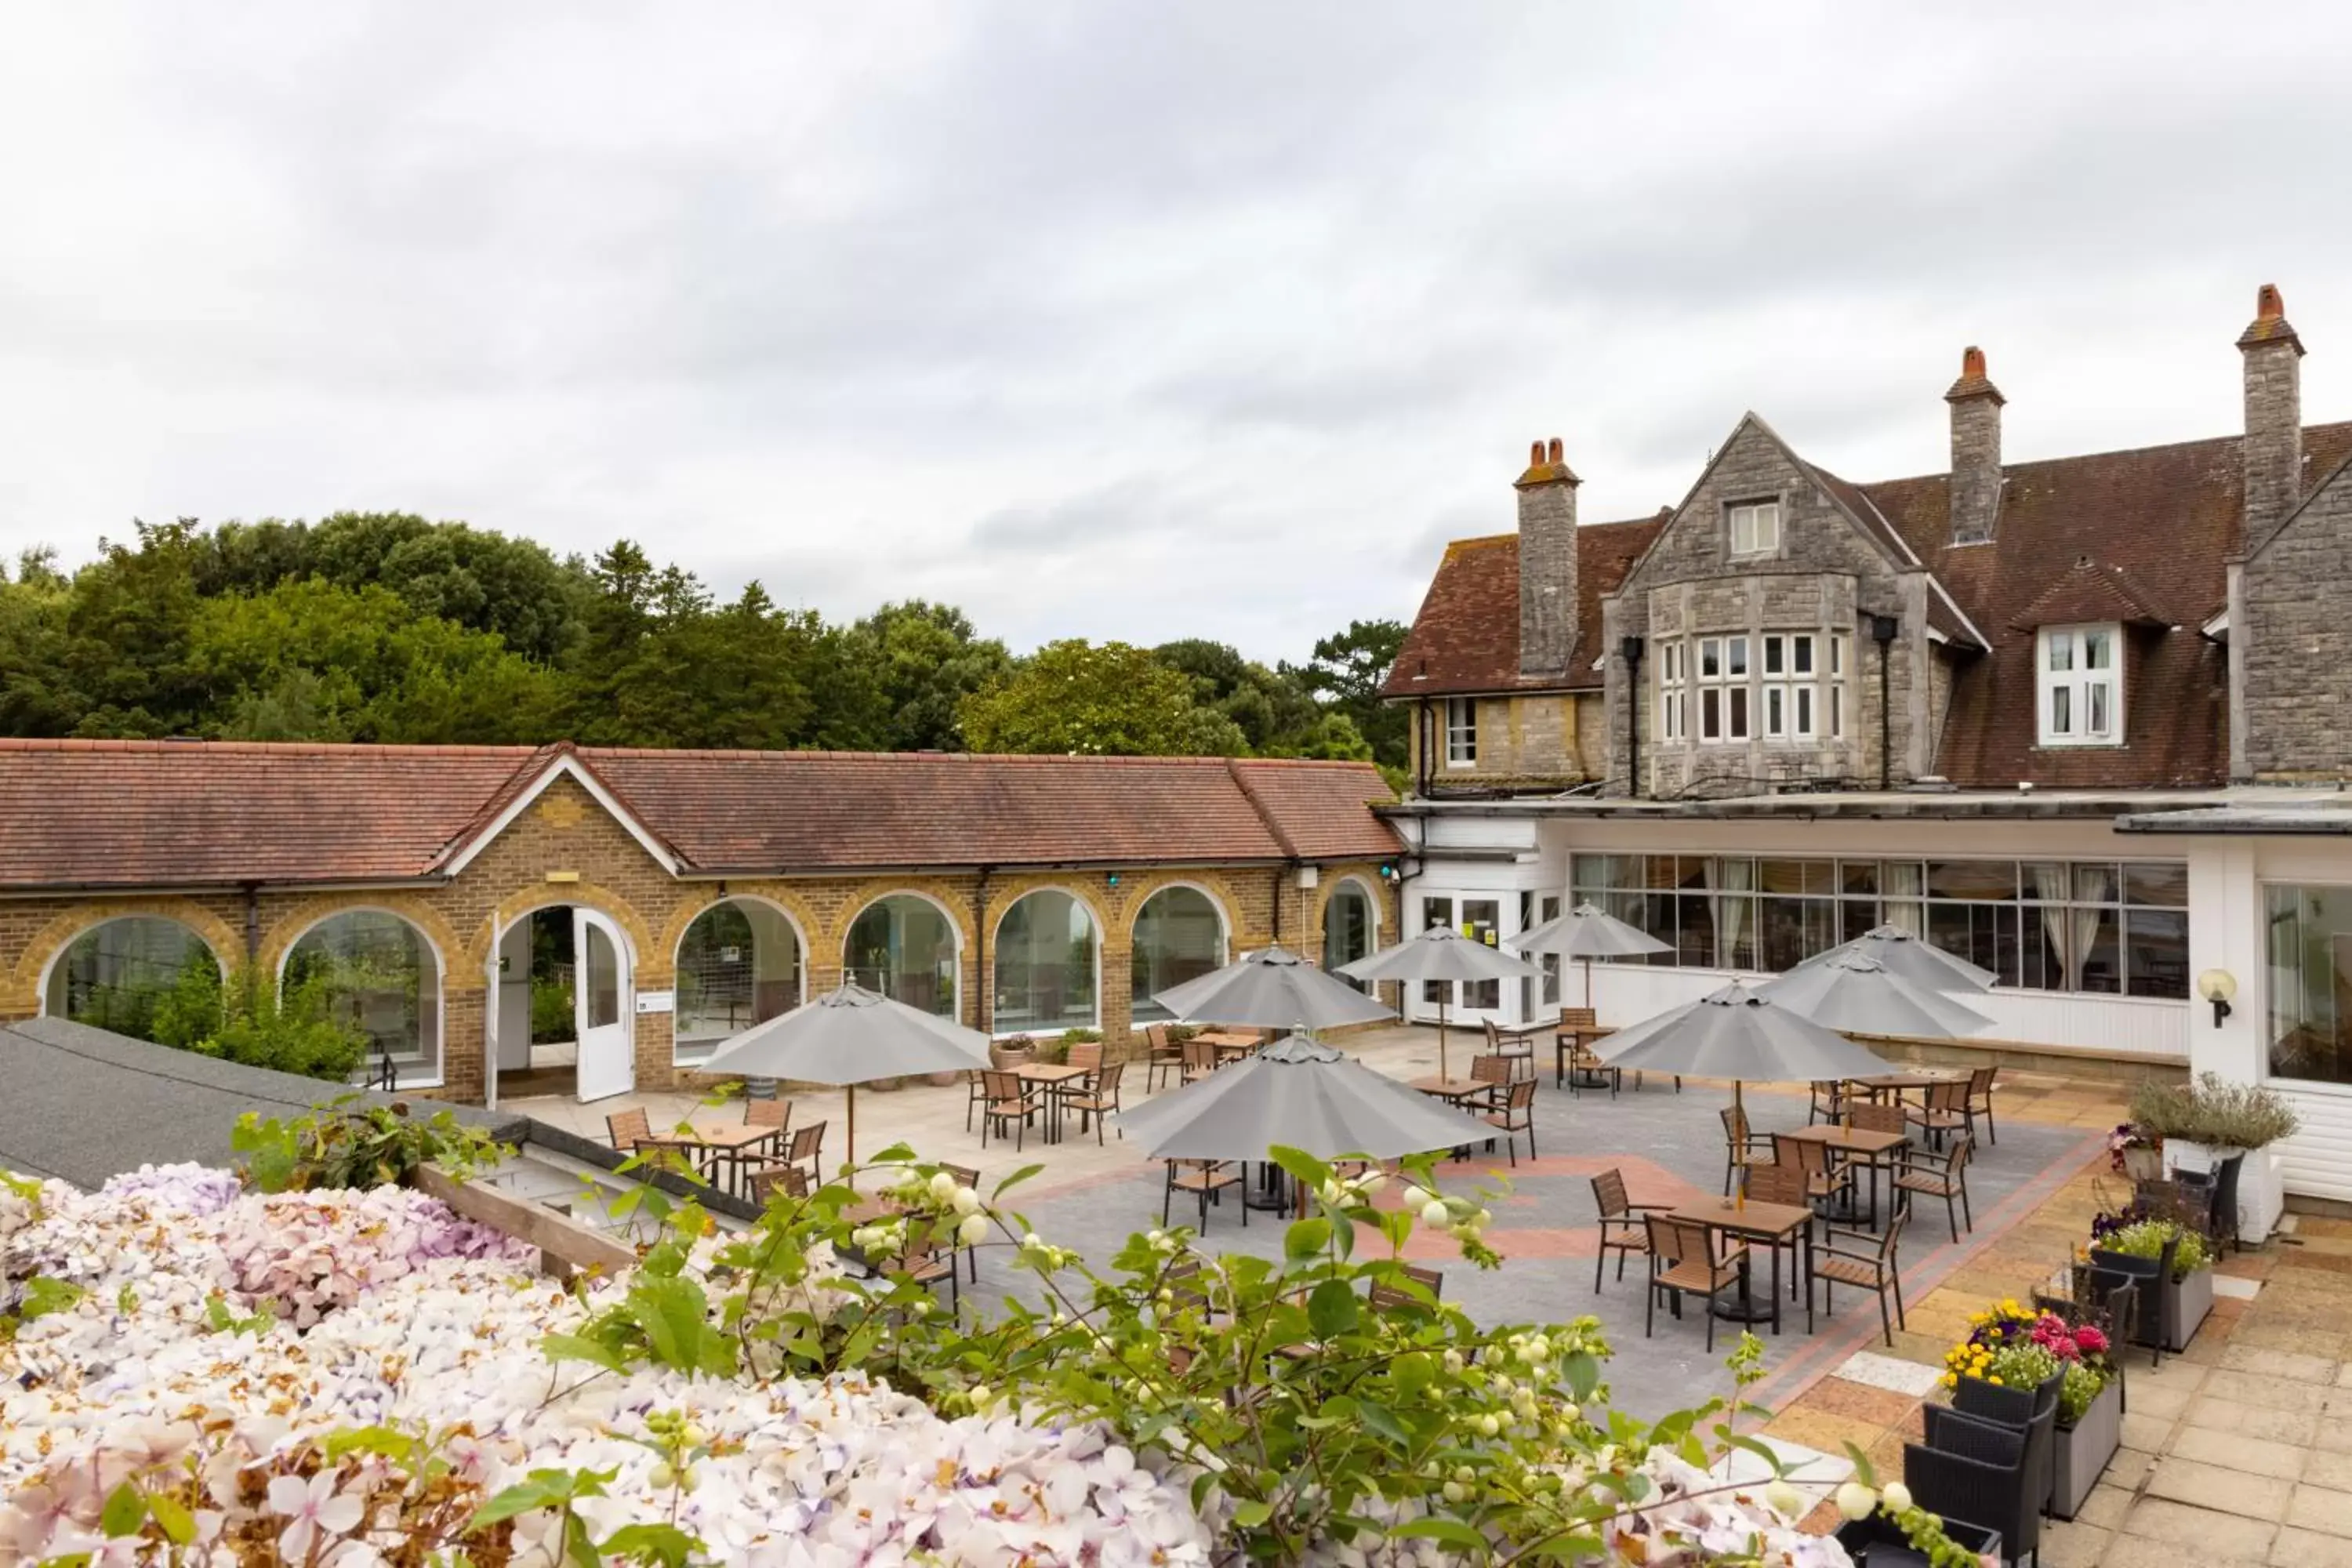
(2075, 703)
(1730, 717)
(1754, 527)
(1460, 732)
(1833, 689)
(1789, 706)
(1674, 703)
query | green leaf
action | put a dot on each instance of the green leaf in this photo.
(1863, 1470)
(663, 1543)
(1250, 1514)
(541, 1489)
(1332, 1308)
(574, 1347)
(44, 1295)
(1751, 1446)
(1582, 1370)
(1013, 1180)
(1302, 1166)
(1382, 1423)
(1306, 1239)
(124, 1512)
(1450, 1532)
(178, 1525)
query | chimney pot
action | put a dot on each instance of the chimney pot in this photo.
(1553, 452)
(2272, 447)
(1535, 454)
(2269, 306)
(1548, 563)
(1972, 362)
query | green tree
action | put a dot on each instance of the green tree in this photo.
(1345, 674)
(1080, 698)
(924, 659)
(1273, 710)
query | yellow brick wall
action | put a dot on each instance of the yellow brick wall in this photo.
(1522, 740)
(566, 831)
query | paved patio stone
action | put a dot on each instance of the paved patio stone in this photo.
(2105, 1506)
(2322, 1468)
(2146, 1433)
(2319, 1508)
(2274, 1426)
(2297, 1548)
(2236, 1451)
(1877, 1371)
(2207, 1536)
(2296, 1368)
(2266, 1393)
(2225, 1491)
(2073, 1545)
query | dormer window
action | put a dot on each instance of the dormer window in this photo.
(1756, 528)
(2080, 685)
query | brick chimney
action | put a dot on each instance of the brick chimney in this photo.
(1975, 450)
(2273, 445)
(1547, 562)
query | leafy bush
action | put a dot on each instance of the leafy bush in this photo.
(179, 1014)
(1082, 1037)
(343, 1144)
(551, 1014)
(2146, 1238)
(2017, 1347)
(294, 1034)
(2212, 1111)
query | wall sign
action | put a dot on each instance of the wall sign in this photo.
(657, 1001)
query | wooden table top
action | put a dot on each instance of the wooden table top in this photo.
(731, 1135)
(1854, 1139)
(1048, 1072)
(1767, 1221)
(1228, 1036)
(1450, 1088)
(1908, 1079)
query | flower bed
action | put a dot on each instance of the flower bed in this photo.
(2015, 1347)
(2171, 1307)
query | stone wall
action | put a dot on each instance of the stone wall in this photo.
(2289, 630)
(566, 849)
(1826, 576)
(1524, 743)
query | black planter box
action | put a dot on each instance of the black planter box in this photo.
(1877, 1543)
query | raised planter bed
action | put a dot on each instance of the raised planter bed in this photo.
(2085, 1448)
(2180, 1306)
(1875, 1542)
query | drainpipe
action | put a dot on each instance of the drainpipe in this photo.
(1422, 783)
(1630, 649)
(980, 1003)
(1882, 632)
(252, 937)
(1277, 907)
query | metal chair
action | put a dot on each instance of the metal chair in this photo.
(1200, 1059)
(1684, 1260)
(1517, 1046)
(1516, 1115)
(1495, 1070)
(808, 1144)
(976, 1096)
(1088, 1055)
(1739, 1145)
(1829, 1101)
(1868, 1262)
(1099, 1098)
(1625, 1217)
(1979, 1101)
(1162, 1056)
(1779, 1184)
(1944, 1177)
(775, 1113)
(767, 1181)
(1824, 1179)
(1946, 1112)
(1206, 1180)
(1387, 1295)
(627, 1129)
(1010, 1102)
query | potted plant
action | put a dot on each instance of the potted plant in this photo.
(2221, 1130)
(2135, 1152)
(2010, 1350)
(2174, 1297)
(1013, 1051)
(1052, 1052)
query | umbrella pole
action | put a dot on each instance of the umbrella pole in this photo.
(1739, 1116)
(1587, 982)
(853, 1139)
(1441, 1031)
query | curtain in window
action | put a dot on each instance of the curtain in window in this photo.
(1902, 887)
(1734, 915)
(2060, 926)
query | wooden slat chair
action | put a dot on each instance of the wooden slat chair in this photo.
(775, 1113)
(969, 1176)
(1088, 1055)
(1516, 1115)
(975, 1095)
(806, 1149)
(1686, 1260)
(1383, 1294)
(1581, 1061)
(1200, 1059)
(1868, 1262)
(1830, 1101)
(1206, 1180)
(1779, 1184)
(767, 1181)
(627, 1129)
(1009, 1103)
(1515, 1045)
(1162, 1055)
(1825, 1178)
(1944, 1176)
(1946, 1112)
(927, 1263)
(1740, 1146)
(1497, 1071)
(1624, 1219)
(1098, 1100)
(1979, 1101)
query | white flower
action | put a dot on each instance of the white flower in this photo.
(1434, 1213)
(1784, 1499)
(1896, 1496)
(1856, 1501)
(965, 1201)
(944, 1187)
(973, 1229)
(312, 1508)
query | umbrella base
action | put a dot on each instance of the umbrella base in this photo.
(1271, 1192)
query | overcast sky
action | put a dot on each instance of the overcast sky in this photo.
(1117, 320)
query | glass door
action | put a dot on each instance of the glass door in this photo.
(600, 1003)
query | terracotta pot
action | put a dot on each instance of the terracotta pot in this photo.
(1008, 1058)
(946, 1079)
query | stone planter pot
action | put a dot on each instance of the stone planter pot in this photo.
(886, 1085)
(2085, 1448)
(1008, 1058)
(2173, 1308)
(2260, 1195)
(2143, 1165)
(946, 1079)
(2190, 1299)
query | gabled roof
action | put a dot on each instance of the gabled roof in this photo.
(1466, 637)
(2087, 592)
(157, 813)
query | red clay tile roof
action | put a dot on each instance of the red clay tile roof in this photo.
(1466, 637)
(170, 814)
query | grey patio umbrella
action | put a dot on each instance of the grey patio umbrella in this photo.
(850, 1036)
(1302, 1093)
(1272, 988)
(1858, 995)
(1586, 933)
(1907, 956)
(1441, 953)
(1739, 1034)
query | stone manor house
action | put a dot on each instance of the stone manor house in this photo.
(592, 921)
(2083, 720)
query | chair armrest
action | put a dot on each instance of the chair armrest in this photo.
(1821, 1249)
(1975, 1437)
(1662, 1208)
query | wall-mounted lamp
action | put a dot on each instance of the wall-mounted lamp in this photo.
(1110, 878)
(1387, 871)
(2217, 986)
(1884, 628)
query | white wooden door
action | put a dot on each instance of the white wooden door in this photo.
(603, 1006)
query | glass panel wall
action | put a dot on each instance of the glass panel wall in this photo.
(141, 975)
(1044, 962)
(738, 965)
(1480, 923)
(1178, 937)
(1346, 929)
(904, 947)
(1436, 912)
(375, 974)
(2099, 927)
(2311, 982)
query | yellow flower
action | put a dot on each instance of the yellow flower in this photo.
(1994, 1381)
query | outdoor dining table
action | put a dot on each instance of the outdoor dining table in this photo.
(1774, 1223)
(1455, 1092)
(1858, 1144)
(1055, 1080)
(1899, 1083)
(1576, 1037)
(734, 1144)
(1231, 1045)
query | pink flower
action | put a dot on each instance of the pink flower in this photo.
(2093, 1340)
(312, 1508)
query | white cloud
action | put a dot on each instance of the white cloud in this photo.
(1107, 318)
